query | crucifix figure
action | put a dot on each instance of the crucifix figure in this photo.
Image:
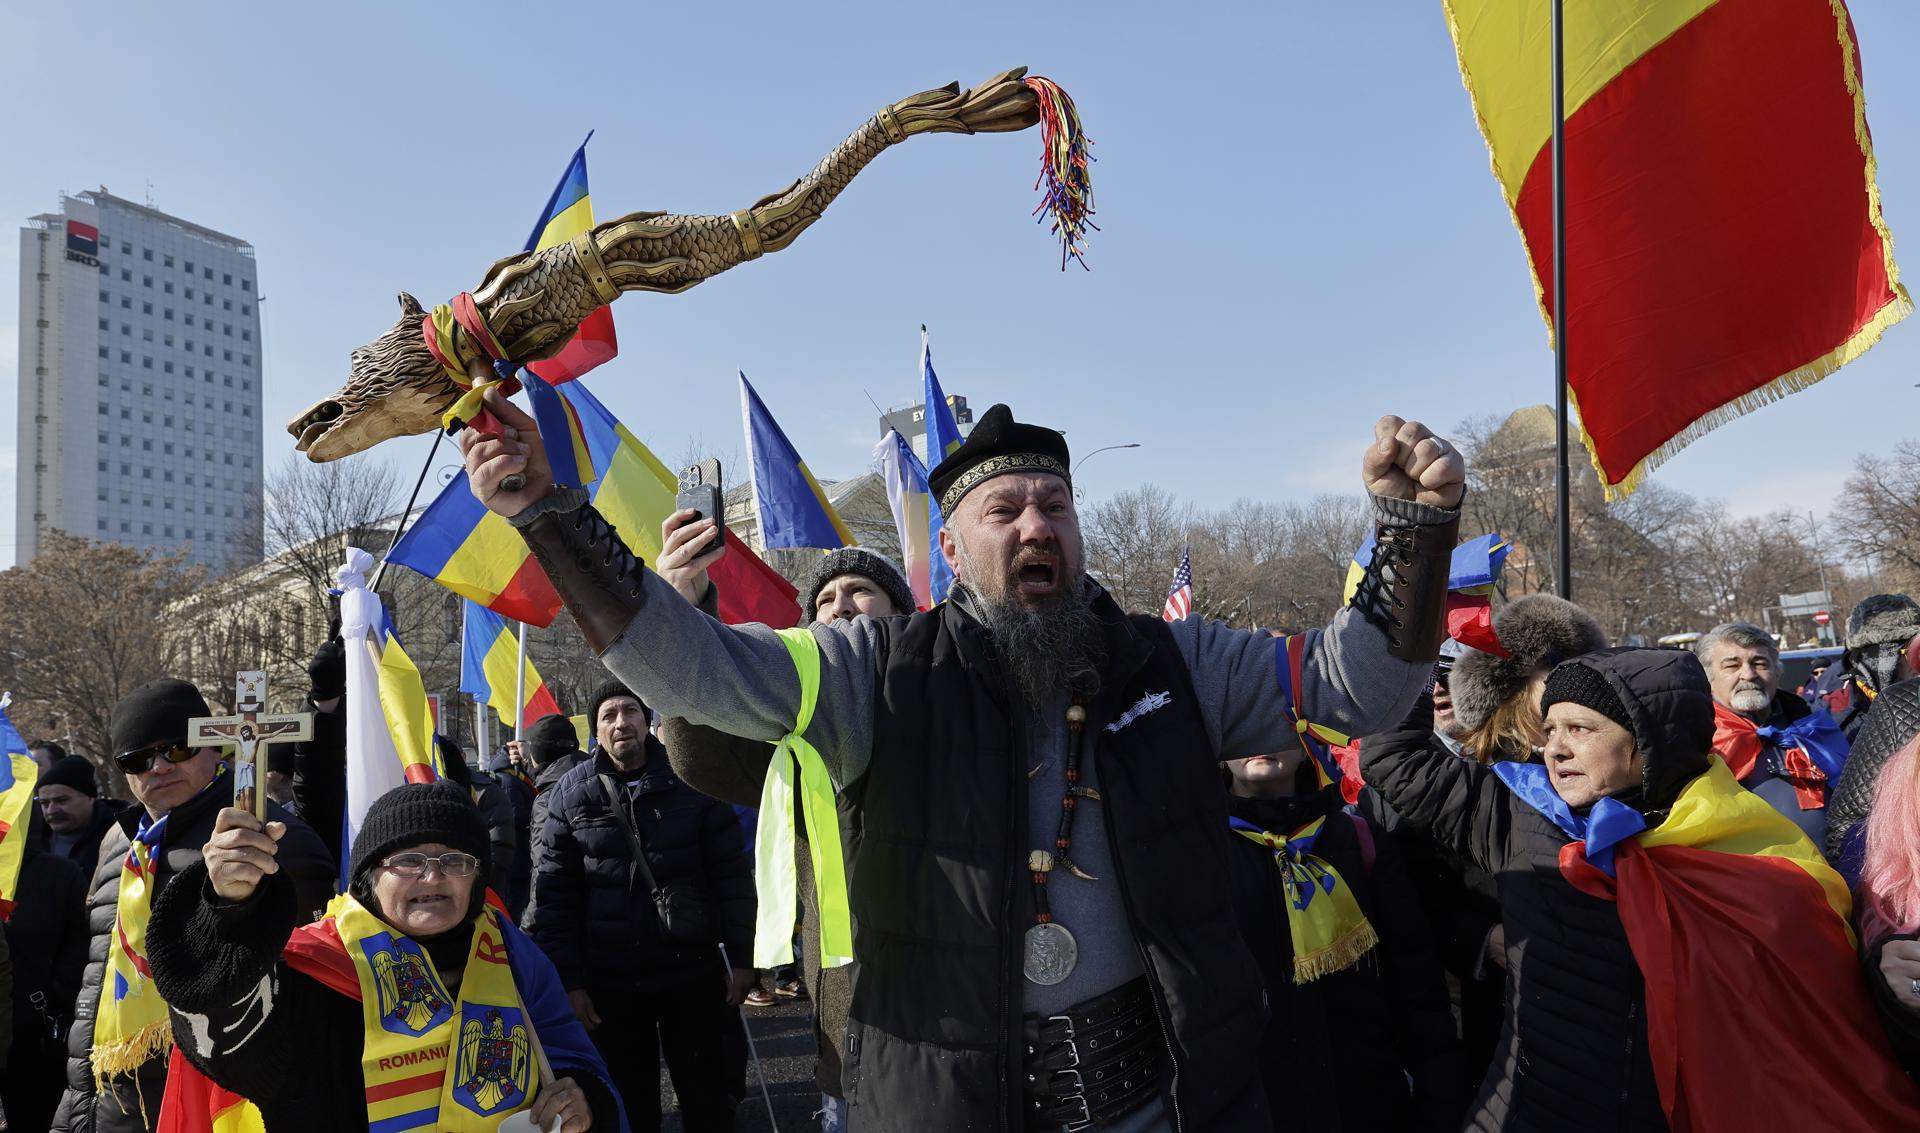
(249, 731)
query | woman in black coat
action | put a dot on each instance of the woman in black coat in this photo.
(1368, 1048)
(1634, 727)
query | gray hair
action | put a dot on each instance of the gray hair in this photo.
(1744, 635)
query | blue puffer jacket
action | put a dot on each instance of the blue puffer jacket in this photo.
(591, 909)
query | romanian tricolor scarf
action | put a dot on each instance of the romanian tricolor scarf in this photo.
(131, 1026)
(1723, 894)
(1808, 753)
(798, 770)
(1330, 932)
(319, 951)
(430, 1059)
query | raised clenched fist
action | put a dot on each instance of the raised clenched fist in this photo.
(1406, 461)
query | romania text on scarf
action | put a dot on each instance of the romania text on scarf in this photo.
(431, 1060)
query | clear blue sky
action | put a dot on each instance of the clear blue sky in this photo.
(1299, 227)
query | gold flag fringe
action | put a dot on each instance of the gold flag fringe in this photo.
(1342, 954)
(1802, 377)
(1791, 382)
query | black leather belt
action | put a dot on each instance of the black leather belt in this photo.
(1096, 1062)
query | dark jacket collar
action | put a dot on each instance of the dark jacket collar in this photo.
(551, 773)
(1285, 815)
(656, 775)
(1786, 708)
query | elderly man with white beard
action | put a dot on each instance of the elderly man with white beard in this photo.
(1016, 970)
(1778, 747)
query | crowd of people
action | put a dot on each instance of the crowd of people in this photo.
(1049, 864)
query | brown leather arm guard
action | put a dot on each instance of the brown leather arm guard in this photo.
(599, 579)
(1404, 589)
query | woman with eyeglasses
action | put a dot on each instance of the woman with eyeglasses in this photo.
(413, 1003)
(117, 1065)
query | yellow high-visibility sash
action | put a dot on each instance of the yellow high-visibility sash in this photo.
(429, 1061)
(797, 766)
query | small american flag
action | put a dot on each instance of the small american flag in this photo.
(1180, 598)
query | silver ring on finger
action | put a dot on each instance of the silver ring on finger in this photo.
(1913, 986)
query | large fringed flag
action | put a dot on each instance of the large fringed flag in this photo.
(489, 653)
(911, 500)
(1725, 891)
(794, 510)
(943, 436)
(18, 774)
(389, 729)
(569, 212)
(1725, 245)
(471, 551)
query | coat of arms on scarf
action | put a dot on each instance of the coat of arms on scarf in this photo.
(411, 1002)
(495, 1056)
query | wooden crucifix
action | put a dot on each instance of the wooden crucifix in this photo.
(249, 732)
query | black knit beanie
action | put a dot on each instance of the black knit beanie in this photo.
(1575, 683)
(73, 772)
(156, 711)
(413, 815)
(868, 565)
(605, 693)
(550, 738)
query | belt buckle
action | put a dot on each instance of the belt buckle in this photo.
(1085, 1120)
(1073, 1047)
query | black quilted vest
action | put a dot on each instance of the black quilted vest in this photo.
(941, 895)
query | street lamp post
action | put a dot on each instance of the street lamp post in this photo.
(1075, 471)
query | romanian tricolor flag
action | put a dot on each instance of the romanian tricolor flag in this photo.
(471, 551)
(912, 503)
(489, 650)
(793, 508)
(194, 1103)
(1725, 245)
(569, 212)
(1757, 1013)
(18, 773)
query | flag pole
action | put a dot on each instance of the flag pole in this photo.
(520, 686)
(1563, 519)
(406, 512)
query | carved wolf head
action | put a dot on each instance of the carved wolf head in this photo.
(394, 388)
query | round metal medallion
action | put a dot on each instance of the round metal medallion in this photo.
(1051, 953)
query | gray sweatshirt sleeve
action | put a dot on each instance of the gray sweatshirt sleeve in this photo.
(740, 679)
(1349, 681)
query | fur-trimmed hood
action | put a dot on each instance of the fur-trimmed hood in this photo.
(1538, 631)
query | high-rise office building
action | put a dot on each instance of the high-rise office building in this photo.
(139, 413)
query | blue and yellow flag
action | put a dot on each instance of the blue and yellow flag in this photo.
(18, 773)
(943, 436)
(793, 508)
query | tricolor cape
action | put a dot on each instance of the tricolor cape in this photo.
(1722, 894)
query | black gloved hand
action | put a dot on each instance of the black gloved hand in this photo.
(327, 672)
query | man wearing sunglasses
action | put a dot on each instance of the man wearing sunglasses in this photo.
(180, 791)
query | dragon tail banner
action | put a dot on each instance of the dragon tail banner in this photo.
(529, 307)
(1725, 245)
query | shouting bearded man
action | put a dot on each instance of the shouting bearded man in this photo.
(995, 936)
